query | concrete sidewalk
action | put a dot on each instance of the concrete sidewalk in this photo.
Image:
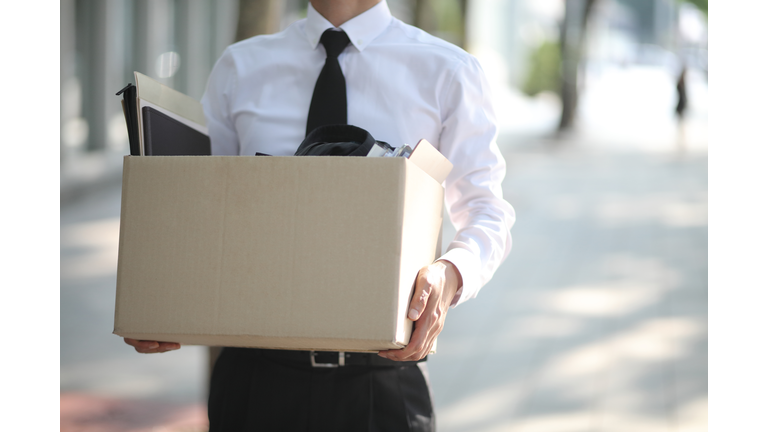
(85, 173)
(598, 319)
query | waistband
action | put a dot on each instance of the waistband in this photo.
(325, 359)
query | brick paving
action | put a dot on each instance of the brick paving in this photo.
(88, 413)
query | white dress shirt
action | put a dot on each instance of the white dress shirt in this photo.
(402, 85)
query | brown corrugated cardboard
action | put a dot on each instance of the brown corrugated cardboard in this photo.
(276, 252)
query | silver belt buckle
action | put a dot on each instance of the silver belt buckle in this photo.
(326, 365)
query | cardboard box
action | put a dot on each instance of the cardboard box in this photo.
(275, 252)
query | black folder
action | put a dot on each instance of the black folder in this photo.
(163, 135)
(166, 136)
(131, 117)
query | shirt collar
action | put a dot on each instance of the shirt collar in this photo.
(362, 29)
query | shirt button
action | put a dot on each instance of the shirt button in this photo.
(359, 41)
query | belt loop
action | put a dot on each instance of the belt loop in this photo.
(326, 365)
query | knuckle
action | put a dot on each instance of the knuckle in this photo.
(424, 296)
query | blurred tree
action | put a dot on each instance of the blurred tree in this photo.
(573, 32)
(425, 16)
(544, 69)
(443, 18)
(701, 4)
(257, 17)
(463, 12)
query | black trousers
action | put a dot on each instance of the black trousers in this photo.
(268, 390)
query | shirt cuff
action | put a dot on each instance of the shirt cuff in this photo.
(468, 266)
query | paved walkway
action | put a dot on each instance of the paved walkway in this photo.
(596, 322)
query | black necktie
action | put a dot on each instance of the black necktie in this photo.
(329, 101)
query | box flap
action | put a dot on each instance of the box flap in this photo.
(431, 161)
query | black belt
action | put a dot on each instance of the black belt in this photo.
(329, 359)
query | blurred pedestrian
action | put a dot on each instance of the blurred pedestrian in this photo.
(681, 108)
(682, 96)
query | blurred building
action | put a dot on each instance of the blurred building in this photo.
(665, 33)
(504, 33)
(177, 42)
(103, 42)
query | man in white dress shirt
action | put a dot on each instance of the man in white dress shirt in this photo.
(402, 85)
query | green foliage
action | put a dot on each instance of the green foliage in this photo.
(543, 69)
(701, 4)
(449, 19)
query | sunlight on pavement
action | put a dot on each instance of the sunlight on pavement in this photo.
(670, 209)
(583, 421)
(96, 242)
(599, 320)
(561, 422)
(543, 326)
(610, 298)
(642, 268)
(652, 340)
(482, 408)
(692, 417)
(607, 370)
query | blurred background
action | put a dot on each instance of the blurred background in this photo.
(597, 321)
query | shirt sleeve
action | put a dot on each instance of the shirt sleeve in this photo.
(473, 193)
(217, 107)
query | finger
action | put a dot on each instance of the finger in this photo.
(169, 346)
(418, 340)
(152, 347)
(424, 332)
(142, 345)
(420, 349)
(421, 294)
(404, 354)
(427, 329)
(419, 332)
(161, 348)
(131, 342)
